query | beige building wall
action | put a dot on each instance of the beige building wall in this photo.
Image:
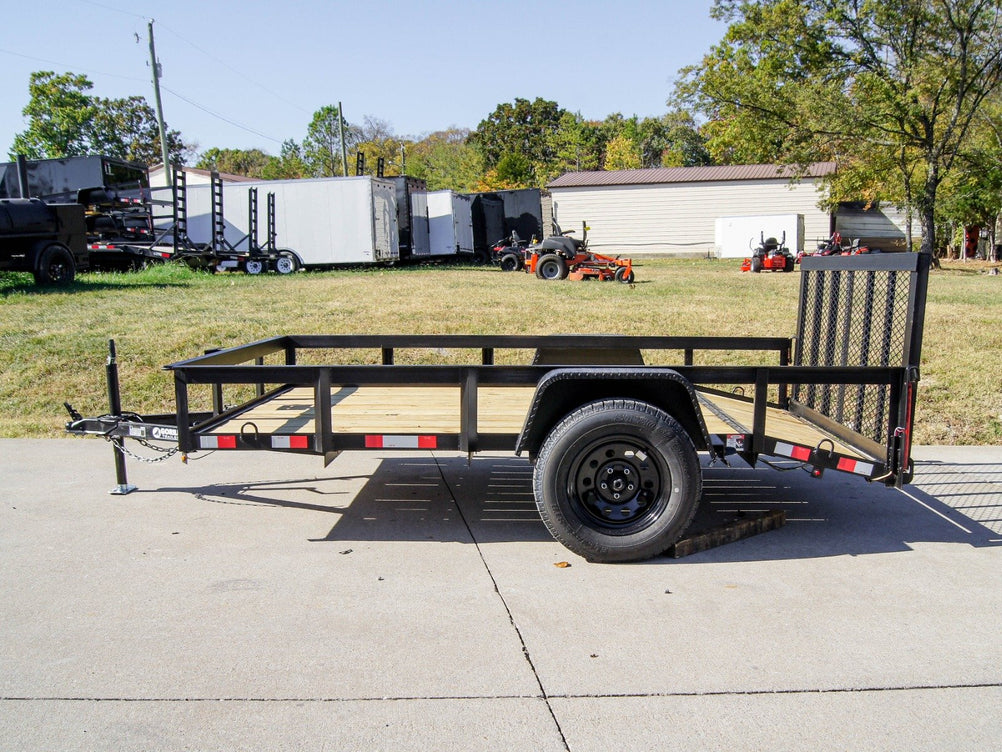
(678, 218)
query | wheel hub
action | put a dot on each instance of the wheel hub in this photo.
(616, 483)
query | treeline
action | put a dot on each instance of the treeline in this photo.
(905, 98)
(520, 144)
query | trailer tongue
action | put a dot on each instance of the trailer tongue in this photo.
(611, 424)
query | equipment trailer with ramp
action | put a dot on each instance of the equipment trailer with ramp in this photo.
(611, 424)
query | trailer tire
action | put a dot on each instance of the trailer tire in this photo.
(624, 276)
(551, 266)
(510, 262)
(55, 266)
(254, 266)
(617, 480)
(286, 263)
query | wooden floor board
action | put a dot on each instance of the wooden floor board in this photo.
(500, 410)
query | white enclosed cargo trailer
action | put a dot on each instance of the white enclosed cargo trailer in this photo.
(324, 221)
(736, 237)
(450, 223)
(420, 237)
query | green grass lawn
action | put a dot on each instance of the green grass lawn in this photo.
(54, 342)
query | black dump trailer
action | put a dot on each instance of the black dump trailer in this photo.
(115, 197)
(59, 180)
(48, 240)
(613, 425)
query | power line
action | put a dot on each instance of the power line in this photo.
(143, 81)
(117, 10)
(232, 69)
(217, 115)
(71, 67)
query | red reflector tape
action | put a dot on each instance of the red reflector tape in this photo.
(218, 442)
(385, 441)
(290, 442)
(801, 453)
(855, 466)
(791, 450)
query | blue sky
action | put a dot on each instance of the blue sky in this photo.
(263, 67)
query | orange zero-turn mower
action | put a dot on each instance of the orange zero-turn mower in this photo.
(560, 257)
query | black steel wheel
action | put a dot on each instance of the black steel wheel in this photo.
(511, 262)
(286, 263)
(617, 480)
(624, 275)
(55, 266)
(551, 266)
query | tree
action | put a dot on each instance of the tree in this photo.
(524, 128)
(322, 145)
(377, 141)
(127, 128)
(289, 164)
(812, 80)
(444, 159)
(621, 153)
(59, 113)
(251, 163)
(575, 146)
(672, 140)
(65, 121)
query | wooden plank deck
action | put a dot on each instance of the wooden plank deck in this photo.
(725, 415)
(500, 410)
(397, 409)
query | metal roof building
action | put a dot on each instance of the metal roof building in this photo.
(674, 210)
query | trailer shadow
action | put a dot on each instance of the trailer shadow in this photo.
(490, 500)
(842, 515)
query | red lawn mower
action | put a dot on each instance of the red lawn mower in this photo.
(771, 255)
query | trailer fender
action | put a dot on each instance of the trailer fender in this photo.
(564, 390)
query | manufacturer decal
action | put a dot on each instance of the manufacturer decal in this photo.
(164, 433)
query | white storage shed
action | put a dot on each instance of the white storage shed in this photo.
(674, 210)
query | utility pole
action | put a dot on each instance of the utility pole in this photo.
(344, 146)
(155, 67)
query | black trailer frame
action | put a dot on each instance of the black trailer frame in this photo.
(847, 380)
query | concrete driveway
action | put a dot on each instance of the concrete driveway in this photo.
(412, 601)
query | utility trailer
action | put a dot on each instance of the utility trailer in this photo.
(611, 424)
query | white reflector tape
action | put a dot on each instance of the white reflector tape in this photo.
(790, 450)
(386, 441)
(855, 466)
(217, 442)
(290, 442)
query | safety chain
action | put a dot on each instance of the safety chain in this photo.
(164, 453)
